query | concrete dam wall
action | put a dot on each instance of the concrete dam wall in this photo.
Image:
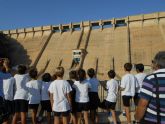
(106, 44)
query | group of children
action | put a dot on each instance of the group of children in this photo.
(70, 99)
(130, 87)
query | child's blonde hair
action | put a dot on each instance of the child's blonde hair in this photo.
(59, 71)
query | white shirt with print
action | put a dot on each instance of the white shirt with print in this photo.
(140, 77)
(8, 88)
(44, 91)
(112, 87)
(21, 92)
(128, 82)
(94, 84)
(34, 90)
(82, 89)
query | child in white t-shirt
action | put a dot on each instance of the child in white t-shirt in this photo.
(128, 87)
(60, 97)
(8, 90)
(93, 95)
(112, 87)
(34, 90)
(72, 79)
(45, 100)
(21, 95)
(82, 87)
(140, 77)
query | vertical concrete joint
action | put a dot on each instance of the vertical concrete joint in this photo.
(42, 30)
(82, 26)
(129, 41)
(9, 32)
(142, 19)
(157, 18)
(60, 28)
(17, 33)
(101, 24)
(114, 23)
(127, 20)
(51, 27)
(71, 27)
(90, 24)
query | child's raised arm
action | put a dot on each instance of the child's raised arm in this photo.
(51, 99)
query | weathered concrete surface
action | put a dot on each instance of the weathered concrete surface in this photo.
(31, 42)
(105, 45)
(59, 50)
(131, 39)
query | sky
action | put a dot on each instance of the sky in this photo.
(31, 13)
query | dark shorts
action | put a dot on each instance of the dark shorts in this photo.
(136, 98)
(82, 106)
(20, 106)
(110, 105)
(1, 102)
(1, 99)
(9, 106)
(74, 107)
(4, 114)
(46, 105)
(126, 100)
(73, 101)
(94, 100)
(64, 114)
(34, 106)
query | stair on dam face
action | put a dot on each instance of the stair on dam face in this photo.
(84, 40)
(56, 58)
(50, 51)
(42, 50)
(95, 49)
(59, 50)
(82, 45)
(103, 45)
(32, 44)
(67, 56)
(70, 44)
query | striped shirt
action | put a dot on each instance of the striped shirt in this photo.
(148, 92)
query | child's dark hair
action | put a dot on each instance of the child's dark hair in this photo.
(46, 77)
(22, 69)
(128, 66)
(111, 74)
(140, 67)
(33, 73)
(81, 74)
(2, 68)
(73, 74)
(91, 72)
(1, 64)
